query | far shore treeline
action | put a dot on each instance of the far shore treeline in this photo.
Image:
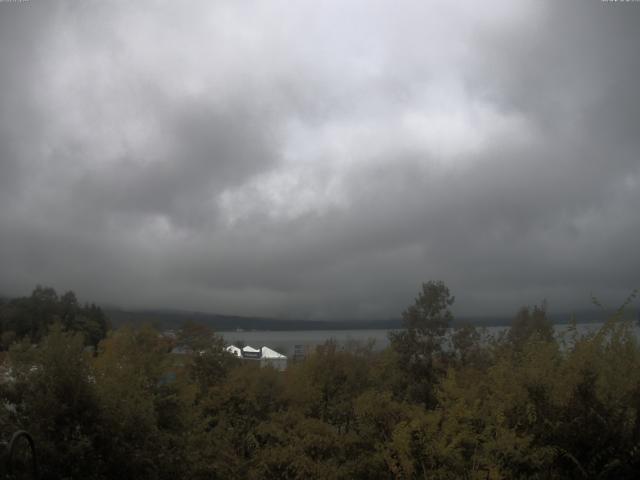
(105, 401)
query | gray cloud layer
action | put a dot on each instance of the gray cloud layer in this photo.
(320, 159)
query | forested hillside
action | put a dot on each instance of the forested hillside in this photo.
(432, 405)
(30, 318)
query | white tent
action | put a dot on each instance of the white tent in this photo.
(232, 349)
(273, 359)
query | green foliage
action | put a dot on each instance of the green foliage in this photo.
(53, 398)
(210, 362)
(530, 324)
(419, 345)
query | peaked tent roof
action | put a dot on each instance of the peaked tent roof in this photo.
(269, 353)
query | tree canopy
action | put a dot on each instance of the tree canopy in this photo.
(438, 403)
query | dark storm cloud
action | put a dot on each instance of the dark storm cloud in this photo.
(207, 151)
(320, 160)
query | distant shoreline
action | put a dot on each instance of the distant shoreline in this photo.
(229, 323)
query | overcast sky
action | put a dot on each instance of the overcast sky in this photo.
(320, 159)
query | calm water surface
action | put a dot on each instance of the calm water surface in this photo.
(285, 341)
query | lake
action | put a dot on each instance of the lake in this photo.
(285, 341)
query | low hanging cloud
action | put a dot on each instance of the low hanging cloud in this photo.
(320, 159)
